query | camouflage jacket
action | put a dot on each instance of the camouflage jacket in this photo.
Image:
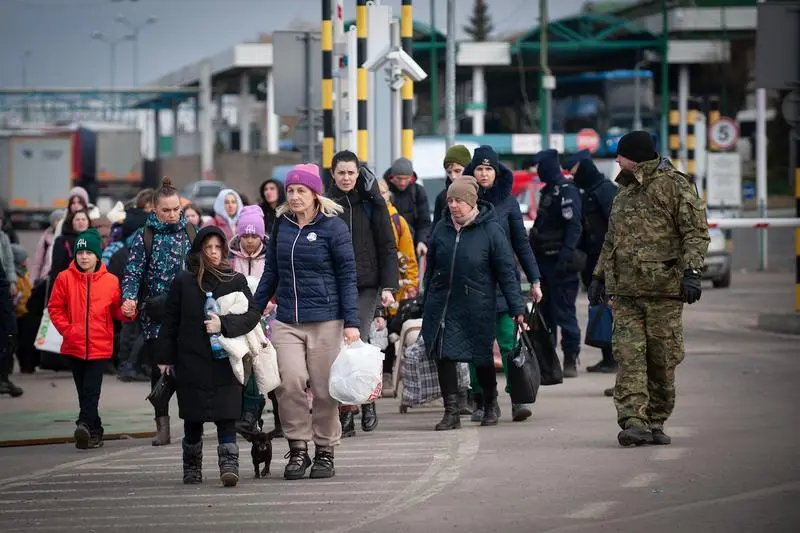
(657, 229)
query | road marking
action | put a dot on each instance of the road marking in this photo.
(203, 505)
(641, 481)
(668, 453)
(592, 511)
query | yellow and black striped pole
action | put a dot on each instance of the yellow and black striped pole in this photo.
(327, 90)
(674, 137)
(714, 115)
(361, 93)
(406, 40)
(691, 139)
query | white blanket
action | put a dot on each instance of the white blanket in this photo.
(255, 343)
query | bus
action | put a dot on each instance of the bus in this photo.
(605, 102)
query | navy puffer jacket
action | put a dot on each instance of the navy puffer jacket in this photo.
(312, 271)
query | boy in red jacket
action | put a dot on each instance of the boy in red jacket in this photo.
(84, 301)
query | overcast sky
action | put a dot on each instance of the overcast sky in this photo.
(61, 53)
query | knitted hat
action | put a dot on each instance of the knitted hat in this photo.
(485, 155)
(307, 175)
(20, 253)
(465, 189)
(574, 159)
(89, 240)
(81, 193)
(458, 153)
(57, 215)
(402, 167)
(637, 146)
(251, 221)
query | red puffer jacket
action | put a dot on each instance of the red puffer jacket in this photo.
(82, 307)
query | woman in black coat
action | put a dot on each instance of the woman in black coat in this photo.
(469, 256)
(207, 389)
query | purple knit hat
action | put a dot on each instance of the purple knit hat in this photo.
(305, 174)
(251, 221)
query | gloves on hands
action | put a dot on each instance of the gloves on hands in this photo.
(690, 286)
(597, 290)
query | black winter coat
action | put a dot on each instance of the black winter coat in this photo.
(367, 218)
(463, 273)
(206, 387)
(62, 254)
(412, 204)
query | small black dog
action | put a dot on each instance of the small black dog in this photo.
(261, 452)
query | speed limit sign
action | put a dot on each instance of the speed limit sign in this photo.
(723, 133)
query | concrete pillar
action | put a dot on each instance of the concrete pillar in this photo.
(206, 123)
(478, 101)
(273, 127)
(683, 110)
(245, 118)
(157, 133)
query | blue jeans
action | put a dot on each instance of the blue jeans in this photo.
(558, 307)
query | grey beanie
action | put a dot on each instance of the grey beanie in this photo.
(402, 167)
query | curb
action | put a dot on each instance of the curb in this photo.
(787, 323)
(42, 441)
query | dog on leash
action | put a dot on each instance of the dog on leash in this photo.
(261, 452)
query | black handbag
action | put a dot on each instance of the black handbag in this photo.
(541, 339)
(524, 375)
(162, 392)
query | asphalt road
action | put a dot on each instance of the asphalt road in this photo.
(734, 465)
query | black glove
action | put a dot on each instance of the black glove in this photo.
(11, 345)
(597, 290)
(690, 286)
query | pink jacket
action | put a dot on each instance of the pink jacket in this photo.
(248, 265)
(42, 258)
(222, 224)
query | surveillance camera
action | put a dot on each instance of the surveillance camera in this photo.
(375, 63)
(397, 82)
(407, 64)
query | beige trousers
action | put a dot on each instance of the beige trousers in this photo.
(306, 353)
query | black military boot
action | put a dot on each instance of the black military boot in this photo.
(7, 387)
(634, 436)
(323, 463)
(228, 455)
(609, 392)
(347, 419)
(491, 411)
(477, 414)
(463, 403)
(660, 438)
(451, 418)
(570, 366)
(192, 463)
(369, 417)
(299, 461)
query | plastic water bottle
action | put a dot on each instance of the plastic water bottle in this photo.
(211, 307)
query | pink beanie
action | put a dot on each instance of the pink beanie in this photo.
(81, 193)
(306, 174)
(251, 221)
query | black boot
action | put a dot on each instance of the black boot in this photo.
(369, 417)
(228, 455)
(491, 411)
(323, 463)
(299, 461)
(451, 418)
(7, 387)
(347, 419)
(604, 367)
(82, 435)
(660, 438)
(477, 414)
(162, 437)
(192, 463)
(463, 403)
(634, 436)
(570, 366)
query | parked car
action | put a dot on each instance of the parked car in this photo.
(717, 267)
(203, 193)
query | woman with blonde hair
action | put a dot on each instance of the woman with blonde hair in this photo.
(311, 269)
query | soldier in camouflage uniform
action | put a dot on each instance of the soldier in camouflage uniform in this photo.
(650, 264)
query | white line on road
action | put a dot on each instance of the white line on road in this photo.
(205, 505)
(669, 453)
(641, 481)
(592, 511)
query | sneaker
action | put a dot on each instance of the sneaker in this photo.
(83, 436)
(96, 438)
(323, 464)
(7, 387)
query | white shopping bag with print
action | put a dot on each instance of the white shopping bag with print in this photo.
(48, 339)
(357, 374)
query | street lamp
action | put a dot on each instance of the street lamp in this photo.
(112, 45)
(135, 29)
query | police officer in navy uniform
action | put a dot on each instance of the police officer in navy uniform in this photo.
(555, 237)
(597, 195)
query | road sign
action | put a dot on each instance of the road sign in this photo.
(588, 139)
(749, 190)
(724, 180)
(723, 133)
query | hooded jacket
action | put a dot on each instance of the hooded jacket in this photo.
(249, 265)
(596, 200)
(168, 257)
(82, 308)
(269, 212)
(221, 218)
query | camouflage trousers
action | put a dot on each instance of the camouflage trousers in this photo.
(648, 344)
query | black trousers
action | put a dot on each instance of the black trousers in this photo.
(149, 356)
(448, 379)
(88, 376)
(226, 431)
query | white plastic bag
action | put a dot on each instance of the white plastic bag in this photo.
(357, 374)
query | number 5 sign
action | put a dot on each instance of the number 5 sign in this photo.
(723, 133)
